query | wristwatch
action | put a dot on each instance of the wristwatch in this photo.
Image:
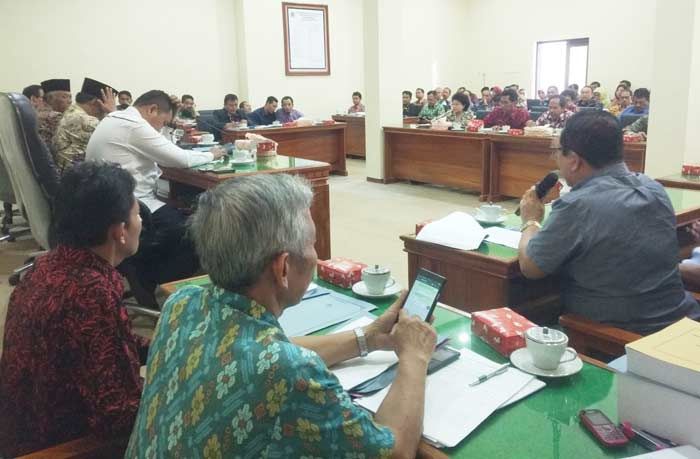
(529, 223)
(361, 341)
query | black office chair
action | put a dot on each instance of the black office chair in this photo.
(589, 109)
(626, 120)
(535, 115)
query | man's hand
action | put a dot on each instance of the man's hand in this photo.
(106, 101)
(531, 207)
(694, 230)
(413, 338)
(218, 151)
(379, 332)
(175, 101)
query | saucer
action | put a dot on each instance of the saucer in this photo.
(207, 144)
(483, 219)
(522, 360)
(361, 289)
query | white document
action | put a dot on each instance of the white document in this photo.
(452, 408)
(319, 312)
(307, 39)
(458, 230)
(682, 452)
(502, 236)
(360, 369)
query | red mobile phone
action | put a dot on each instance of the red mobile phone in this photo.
(603, 428)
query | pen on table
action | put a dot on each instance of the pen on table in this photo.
(670, 443)
(498, 371)
(642, 439)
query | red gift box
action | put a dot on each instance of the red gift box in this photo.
(516, 132)
(342, 272)
(632, 138)
(501, 328)
(475, 125)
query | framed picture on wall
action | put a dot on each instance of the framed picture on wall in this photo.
(306, 48)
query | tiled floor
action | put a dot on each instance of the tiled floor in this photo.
(366, 221)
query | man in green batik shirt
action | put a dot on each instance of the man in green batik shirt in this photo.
(223, 378)
(432, 109)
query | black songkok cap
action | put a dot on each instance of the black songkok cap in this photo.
(55, 85)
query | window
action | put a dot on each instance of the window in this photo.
(561, 63)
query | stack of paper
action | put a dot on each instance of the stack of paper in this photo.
(503, 236)
(670, 357)
(458, 230)
(682, 452)
(452, 408)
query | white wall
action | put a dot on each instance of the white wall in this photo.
(177, 46)
(499, 39)
(692, 152)
(315, 96)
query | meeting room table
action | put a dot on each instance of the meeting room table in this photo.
(321, 142)
(354, 134)
(186, 184)
(543, 425)
(496, 166)
(490, 276)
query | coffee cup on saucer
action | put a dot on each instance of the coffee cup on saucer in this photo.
(547, 346)
(490, 212)
(377, 279)
(207, 138)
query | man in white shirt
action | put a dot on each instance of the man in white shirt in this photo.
(132, 138)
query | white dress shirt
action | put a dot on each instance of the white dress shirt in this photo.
(125, 137)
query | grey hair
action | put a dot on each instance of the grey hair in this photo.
(241, 225)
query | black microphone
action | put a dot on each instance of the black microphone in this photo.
(543, 186)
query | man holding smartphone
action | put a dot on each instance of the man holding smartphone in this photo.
(282, 400)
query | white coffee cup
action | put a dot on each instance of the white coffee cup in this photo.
(207, 138)
(377, 279)
(491, 212)
(547, 346)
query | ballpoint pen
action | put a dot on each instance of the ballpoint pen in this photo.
(498, 371)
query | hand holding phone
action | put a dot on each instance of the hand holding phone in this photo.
(413, 338)
(424, 294)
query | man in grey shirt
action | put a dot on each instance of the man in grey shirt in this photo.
(612, 238)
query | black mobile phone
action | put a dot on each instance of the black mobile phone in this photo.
(424, 294)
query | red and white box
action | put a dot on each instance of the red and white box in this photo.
(475, 125)
(632, 137)
(339, 271)
(502, 329)
(516, 132)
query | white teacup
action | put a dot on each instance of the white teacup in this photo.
(547, 347)
(207, 138)
(377, 279)
(491, 212)
(242, 155)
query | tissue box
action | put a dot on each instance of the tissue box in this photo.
(501, 328)
(475, 125)
(516, 132)
(342, 272)
(632, 138)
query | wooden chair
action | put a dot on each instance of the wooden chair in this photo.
(83, 448)
(593, 338)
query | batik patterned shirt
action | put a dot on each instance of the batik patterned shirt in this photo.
(224, 381)
(72, 136)
(47, 124)
(463, 118)
(429, 112)
(556, 122)
(70, 364)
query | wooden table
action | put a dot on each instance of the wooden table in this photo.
(354, 134)
(324, 143)
(449, 158)
(543, 425)
(189, 182)
(490, 277)
(497, 166)
(680, 181)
